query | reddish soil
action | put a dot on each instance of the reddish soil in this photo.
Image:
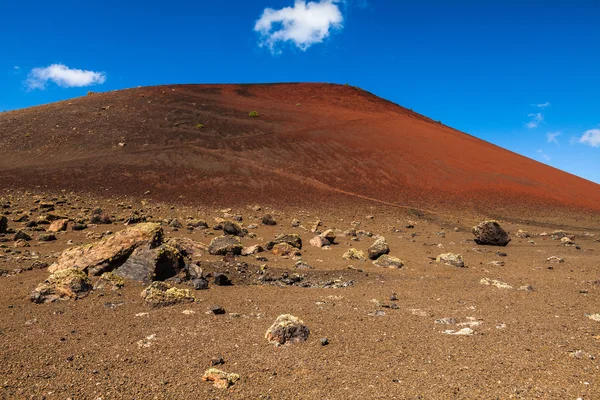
(315, 152)
(310, 142)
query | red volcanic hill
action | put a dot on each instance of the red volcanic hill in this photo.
(310, 142)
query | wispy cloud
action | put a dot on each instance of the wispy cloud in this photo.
(63, 76)
(552, 137)
(542, 105)
(303, 25)
(16, 67)
(591, 137)
(536, 120)
(544, 155)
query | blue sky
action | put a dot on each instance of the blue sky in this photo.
(524, 75)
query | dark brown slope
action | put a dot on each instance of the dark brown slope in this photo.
(310, 142)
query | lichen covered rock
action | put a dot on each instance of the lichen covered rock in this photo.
(62, 285)
(220, 379)
(287, 328)
(161, 294)
(387, 261)
(455, 260)
(354, 254)
(490, 233)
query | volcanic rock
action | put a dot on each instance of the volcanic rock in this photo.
(387, 261)
(111, 251)
(522, 234)
(20, 235)
(46, 237)
(248, 251)
(187, 247)
(319, 241)
(161, 294)
(287, 328)
(224, 245)
(292, 239)
(200, 284)
(148, 263)
(62, 285)
(222, 280)
(232, 228)
(285, 249)
(58, 225)
(220, 379)
(490, 233)
(268, 220)
(455, 260)
(354, 254)
(3, 224)
(493, 282)
(379, 248)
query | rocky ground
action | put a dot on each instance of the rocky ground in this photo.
(283, 303)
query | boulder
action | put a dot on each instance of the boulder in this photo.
(387, 261)
(490, 233)
(224, 245)
(455, 260)
(65, 284)
(285, 249)
(268, 220)
(148, 264)
(354, 254)
(287, 328)
(110, 252)
(555, 259)
(58, 226)
(379, 248)
(220, 379)
(292, 239)
(161, 294)
(3, 224)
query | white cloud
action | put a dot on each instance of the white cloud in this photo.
(536, 120)
(552, 137)
(304, 24)
(542, 105)
(544, 155)
(16, 67)
(591, 137)
(63, 76)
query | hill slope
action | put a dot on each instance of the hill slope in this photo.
(309, 142)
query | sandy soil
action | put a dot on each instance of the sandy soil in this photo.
(110, 345)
